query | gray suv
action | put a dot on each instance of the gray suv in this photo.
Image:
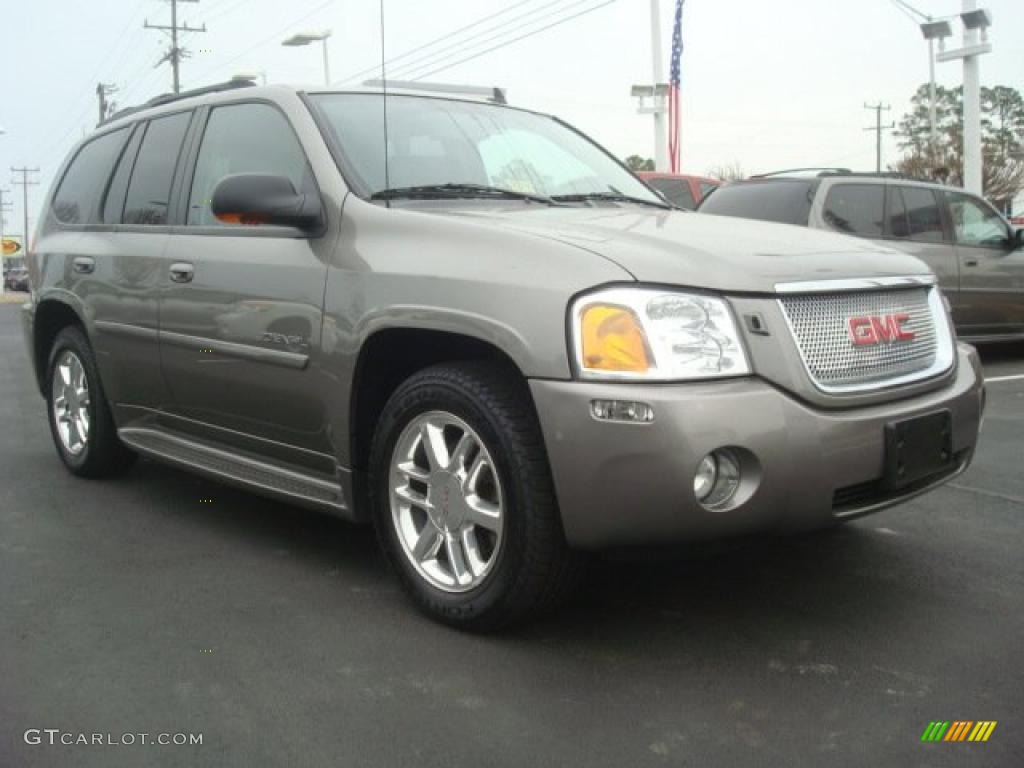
(472, 326)
(976, 254)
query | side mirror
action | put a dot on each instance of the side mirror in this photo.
(1017, 241)
(262, 198)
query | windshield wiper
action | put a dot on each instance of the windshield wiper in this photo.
(613, 197)
(455, 190)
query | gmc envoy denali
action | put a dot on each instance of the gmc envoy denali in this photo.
(472, 326)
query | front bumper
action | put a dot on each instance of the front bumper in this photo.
(622, 484)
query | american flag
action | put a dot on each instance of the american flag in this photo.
(673, 89)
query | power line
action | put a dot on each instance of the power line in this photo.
(447, 36)
(512, 41)
(432, 59)
(175, 53)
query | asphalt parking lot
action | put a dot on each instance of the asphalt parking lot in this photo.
(135, 606)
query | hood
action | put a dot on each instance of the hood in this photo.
(703, 251)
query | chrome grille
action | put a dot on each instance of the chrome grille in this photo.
(820, 327)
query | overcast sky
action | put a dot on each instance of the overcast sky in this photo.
(765, 84)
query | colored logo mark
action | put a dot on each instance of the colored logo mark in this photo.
(958, 730)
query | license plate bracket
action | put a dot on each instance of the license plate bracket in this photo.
(917, 448)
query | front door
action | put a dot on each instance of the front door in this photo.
(991, 271)
(242, 307)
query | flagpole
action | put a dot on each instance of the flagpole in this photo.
(660, 140)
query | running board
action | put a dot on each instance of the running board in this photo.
(218, 464)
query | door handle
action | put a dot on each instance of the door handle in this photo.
(83, 265)
(971, 263)
(182, 272)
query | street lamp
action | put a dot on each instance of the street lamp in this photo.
(976, 22)
(932, 31)
(305, 38)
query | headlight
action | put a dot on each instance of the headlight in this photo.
(655, 335)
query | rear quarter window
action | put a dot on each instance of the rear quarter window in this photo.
(77, 198)
(786, 201)
(676, 191)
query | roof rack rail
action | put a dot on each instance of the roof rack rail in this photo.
(495, 94)
(882, 175)
(790, 171)
(167, 98)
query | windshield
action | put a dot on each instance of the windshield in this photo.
(433, 142)
(787, 201)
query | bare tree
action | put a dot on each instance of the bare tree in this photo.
(728, 172)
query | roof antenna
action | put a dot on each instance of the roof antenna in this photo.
(384, 88)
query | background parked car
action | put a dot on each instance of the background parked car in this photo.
(680, 190)
(975, 252)
(16, 279)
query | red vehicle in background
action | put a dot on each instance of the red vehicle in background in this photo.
(680, 190)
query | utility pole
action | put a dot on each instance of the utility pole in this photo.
(176, 53)
(878, 128)
(102, 91)
(24, 183)
(4, 207)
(972, 108)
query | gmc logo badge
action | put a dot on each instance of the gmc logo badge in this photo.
(879, 329)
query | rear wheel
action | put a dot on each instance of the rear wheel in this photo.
(80, 421)
(463, 499)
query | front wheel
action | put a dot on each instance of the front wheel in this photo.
(463, 499)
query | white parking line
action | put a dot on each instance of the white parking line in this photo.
(1014, 377)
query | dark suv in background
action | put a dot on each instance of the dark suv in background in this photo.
(975, 252)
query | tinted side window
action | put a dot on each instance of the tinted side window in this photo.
(856, 209)
(787, 201)
(149, 191)
(975, 222)
(244, 138)
(78, 195)
(113, 205)
(924, 222)
(676, 191)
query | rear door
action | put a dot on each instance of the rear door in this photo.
(109, 268)
(991, 272)
(915, 224)
(241, 306)
(135, 224)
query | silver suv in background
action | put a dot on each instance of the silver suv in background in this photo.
(977, 255)
(472, 326)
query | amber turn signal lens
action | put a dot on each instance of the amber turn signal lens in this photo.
(613, 340)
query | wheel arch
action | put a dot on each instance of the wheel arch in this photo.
(52, 314)
(390, 356)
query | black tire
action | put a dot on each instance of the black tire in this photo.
(103, 454)
(534, 571)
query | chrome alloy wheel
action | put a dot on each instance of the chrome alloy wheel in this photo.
(446, 501)
(70, 393)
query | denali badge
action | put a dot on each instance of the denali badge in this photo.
(879, 329)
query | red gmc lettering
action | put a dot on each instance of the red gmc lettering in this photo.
(877, 329)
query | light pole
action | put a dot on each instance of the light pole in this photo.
(658, 93)
(932, 31)
(305, 38)
(975, 43)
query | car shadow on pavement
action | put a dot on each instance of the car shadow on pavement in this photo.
(827, 579)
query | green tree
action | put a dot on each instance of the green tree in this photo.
(637, 163)
(1002, 140)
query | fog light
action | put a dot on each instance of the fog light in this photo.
(622, 410)
(717, 478)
